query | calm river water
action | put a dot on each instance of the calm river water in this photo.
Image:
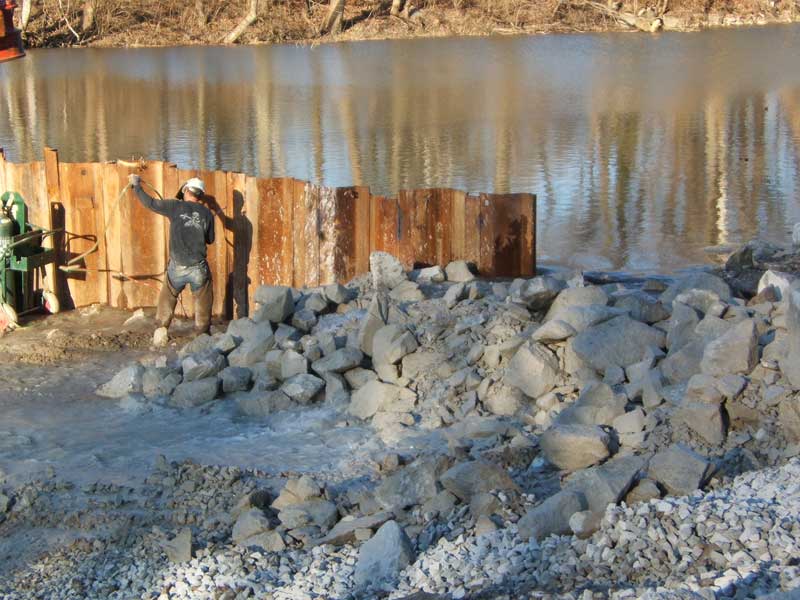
(642, 149)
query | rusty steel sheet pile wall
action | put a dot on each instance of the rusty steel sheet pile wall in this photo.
(268, 231)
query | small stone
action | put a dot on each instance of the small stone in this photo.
(179, 548)
(459, 271)
(160, 337)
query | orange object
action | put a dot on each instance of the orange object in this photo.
(10, 36)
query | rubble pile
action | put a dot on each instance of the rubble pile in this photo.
(626, 439)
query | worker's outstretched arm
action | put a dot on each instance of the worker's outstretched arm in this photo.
(162, 207)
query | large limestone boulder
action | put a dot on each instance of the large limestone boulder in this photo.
(608, 483)
(303, 388)
(597, 405)
(377, 316)
(580, 318)
(459, 271)
(339, 361)
(127, 381)
(253, 528)
(203, 364)
(537, 293)
(552, 516)
(706, 419)
(576, 296)
(384, 556)
(274, 303)
(195, 393)
(680, 469)
(391, 343)
(377, 396)
(573, 447)
(534, 370)
(790, 363)
(697, 281)
(411, 485)
(254, 346)
(619, 342)
(387, 272)
(466, 479)
(734, 352)
(642, 307)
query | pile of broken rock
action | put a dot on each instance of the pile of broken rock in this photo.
(643, 419)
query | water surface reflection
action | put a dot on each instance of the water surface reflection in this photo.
(643, 150)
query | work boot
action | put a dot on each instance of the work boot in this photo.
(160, 337)
(203, 303)
(167, 300)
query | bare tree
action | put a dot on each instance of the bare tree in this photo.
(202, 15)
(26, 14)
(333, 22)
(397, 6)
(87, 20)
(249, 19)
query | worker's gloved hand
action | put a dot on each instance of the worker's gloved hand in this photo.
(134, 180)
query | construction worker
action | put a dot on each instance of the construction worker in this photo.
(191, 228)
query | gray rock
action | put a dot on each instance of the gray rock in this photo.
(576, 296)
(337, 293)
(584, 523)
(407, 291)
(681, 326)
(386, 270)
(226, 344)
(314, 302)
(459, 271)
(466, 479)
(235, 379)
(783, 283)
(377, 396)
(195, 393)
(286, 334)
(240, 329)
(315, 511)
(679, 469)
(336, 389)
(127, 381)
(344, 532)
(275, 303)
(618, 342)
(433, 274)
(534, 370)
(697, 281)
(339, 361)
(254, 346)
(682, 364)
(597, 405)
(537, 293)
(706, 420)
(643, 491)
(642, 307)
(573, 447)
(303, 388)
(391, 343)
(580, 318)
(455, 294)
(252, 528)
(606, 484)
(377, 316)
(553, 331)
(789, 417)
(630, 422)
(704, 301)
(383, 557)
(735, 352)
(262, 403)
(198, 344)
(552, 516)
(790, 363)
(203, 364)
(293, 363)
(296, 491)
(304, 320)
(503, 400)
(411, 485)
(179, 548)
(358, 377)
(159, 382)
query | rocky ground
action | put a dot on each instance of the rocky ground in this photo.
(563, 436)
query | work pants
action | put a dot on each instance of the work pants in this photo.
(198, 278)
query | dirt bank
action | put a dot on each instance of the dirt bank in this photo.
(124, 23)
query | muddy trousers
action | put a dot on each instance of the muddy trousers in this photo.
(203, 301)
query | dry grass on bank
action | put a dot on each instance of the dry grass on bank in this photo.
(55, 23)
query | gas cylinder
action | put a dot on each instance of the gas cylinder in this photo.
(6, 232)
(10, 37)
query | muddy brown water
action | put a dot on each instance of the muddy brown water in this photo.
(643, 149)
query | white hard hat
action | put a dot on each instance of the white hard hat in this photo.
(195, 183)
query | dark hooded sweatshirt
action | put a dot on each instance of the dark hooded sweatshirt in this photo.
(191, 227)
